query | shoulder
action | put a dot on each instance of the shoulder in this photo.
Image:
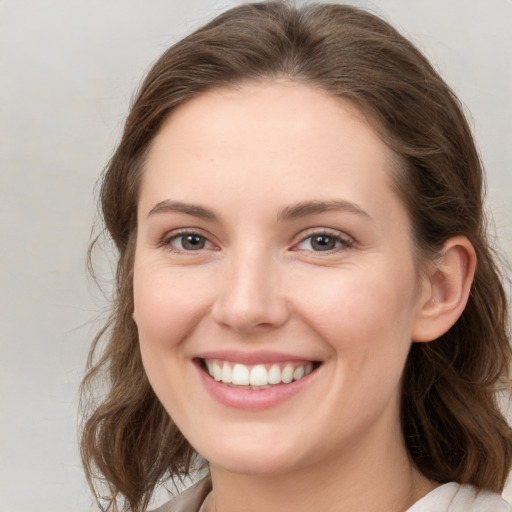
(453, 497)
(189, 500)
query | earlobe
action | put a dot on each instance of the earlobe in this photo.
(446, 290)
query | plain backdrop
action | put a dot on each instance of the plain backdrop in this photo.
(67, 71)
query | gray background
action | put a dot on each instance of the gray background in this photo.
(67, 71)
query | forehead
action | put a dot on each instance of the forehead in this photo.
(273, 140)
(281, 107)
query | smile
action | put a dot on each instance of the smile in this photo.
(259, 376)
(255, 381)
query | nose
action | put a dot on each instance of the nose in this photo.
(250, 297)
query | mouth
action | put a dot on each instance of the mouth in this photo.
(256, 377)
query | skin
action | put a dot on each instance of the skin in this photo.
(249, 155)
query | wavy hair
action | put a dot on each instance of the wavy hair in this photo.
(452, 425)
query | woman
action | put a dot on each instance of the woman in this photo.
(306, 300)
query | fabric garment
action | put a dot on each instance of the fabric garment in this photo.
(454, 497)
(189, 500)
(451, 497)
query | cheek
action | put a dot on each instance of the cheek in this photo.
(362, 301)
(366, 316)
(167, 307)
(167, 304)
(366, 319)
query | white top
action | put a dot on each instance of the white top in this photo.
(450, 497)
(454, 497)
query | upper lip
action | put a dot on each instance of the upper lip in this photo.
(252, 358)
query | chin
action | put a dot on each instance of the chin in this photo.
(254, 459)
(243, 464)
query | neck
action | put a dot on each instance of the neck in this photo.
(379, 479)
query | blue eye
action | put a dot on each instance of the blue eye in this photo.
(323, 242)
(189, 242)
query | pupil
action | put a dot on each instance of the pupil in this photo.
(193, 242)
(322, 243)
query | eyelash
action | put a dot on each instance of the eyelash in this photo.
(167, 241)
(341, 242)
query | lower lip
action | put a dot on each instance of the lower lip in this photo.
(252, 400)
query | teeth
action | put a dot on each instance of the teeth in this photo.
(217, 372)
(287, 375)
(227, 374)
(240, 375)
(298, 373)
(258, 376)
(274, 374)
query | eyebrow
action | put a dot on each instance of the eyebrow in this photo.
(194, 210)
(302, 209)
(314, 207)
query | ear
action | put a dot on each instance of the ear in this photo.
(445, 290)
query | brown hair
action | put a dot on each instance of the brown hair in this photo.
(452, 425)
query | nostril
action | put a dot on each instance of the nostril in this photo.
(250, 317)
(248, 299)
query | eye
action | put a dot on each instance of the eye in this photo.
(323, 242)
(187, 242)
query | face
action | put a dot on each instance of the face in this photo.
(275, 287)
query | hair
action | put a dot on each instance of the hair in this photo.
(451, 422)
